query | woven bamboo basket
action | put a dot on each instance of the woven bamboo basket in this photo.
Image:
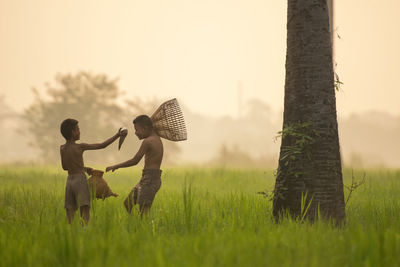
(168, 121)
(98, 186)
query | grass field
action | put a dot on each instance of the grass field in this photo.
(200, 217)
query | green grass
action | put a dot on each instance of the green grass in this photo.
(200, 217)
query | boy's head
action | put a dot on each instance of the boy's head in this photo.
(143, 126)
(70, 130)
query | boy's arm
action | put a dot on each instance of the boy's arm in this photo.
(88, 170)
(62, 160)
(133, 161)
(101, 145)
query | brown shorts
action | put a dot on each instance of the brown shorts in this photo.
(144, 192)
(76, 191)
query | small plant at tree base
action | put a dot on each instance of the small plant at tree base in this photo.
(304, 206)
(302, 137)
(354, 185)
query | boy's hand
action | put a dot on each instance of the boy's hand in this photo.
(111, 168)
(88, 170)
(122, 131)
(119, 132)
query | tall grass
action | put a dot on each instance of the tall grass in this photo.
(200, 217)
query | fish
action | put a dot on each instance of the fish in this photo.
(124, 133)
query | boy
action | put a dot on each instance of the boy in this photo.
(77, 189)
(152, 150)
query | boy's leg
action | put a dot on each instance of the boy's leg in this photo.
(70, 201)
(85, 213)
(147, 194)
(70, 215)
(146, 197)
(144, 209)
(128, 203)
(82, 196)
(131, 200)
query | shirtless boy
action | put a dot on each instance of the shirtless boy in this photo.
(77, 189)
(152, 150)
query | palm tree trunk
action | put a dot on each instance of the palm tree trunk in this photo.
(309, 161)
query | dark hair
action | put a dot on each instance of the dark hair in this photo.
(67, 126)
(144, 121)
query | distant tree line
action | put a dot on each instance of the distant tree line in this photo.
(92, 99)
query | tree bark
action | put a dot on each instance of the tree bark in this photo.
(309, 161)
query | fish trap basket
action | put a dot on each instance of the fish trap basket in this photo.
(168, 121)
(98, 186)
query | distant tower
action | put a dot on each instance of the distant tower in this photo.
(239, 86)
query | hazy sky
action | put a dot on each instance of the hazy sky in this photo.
(196, 51)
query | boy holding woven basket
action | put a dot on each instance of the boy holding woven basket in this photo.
(166, 122)
(152, 150)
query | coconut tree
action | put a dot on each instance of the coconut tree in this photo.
(309, 176)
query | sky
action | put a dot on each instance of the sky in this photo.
(201, 52)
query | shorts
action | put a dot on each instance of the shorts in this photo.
(76, 191)
(144, 192)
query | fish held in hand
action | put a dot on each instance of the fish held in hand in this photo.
(123, 134)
